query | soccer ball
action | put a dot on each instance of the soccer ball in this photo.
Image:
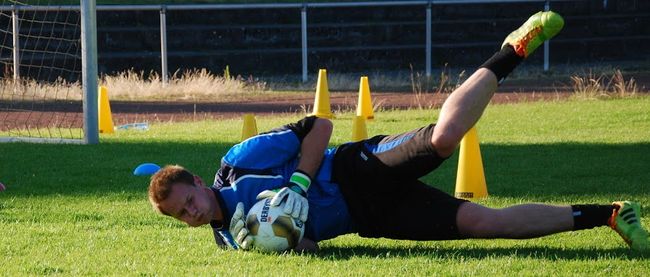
(273, 229)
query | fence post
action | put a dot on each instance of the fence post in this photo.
(428, 43)
(547, 7)
(163, 44)
(16, 43)
(303, 31)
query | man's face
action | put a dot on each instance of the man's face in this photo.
(191, 204)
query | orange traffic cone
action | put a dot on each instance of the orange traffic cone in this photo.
(364, 107)
(470, 179)
(105, 117)
(249, 128)
(322, 101)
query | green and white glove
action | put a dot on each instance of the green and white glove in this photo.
(238, 228)
(294, 196)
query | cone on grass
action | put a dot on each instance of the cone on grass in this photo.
(249, 127)
(322, 101)
(105, 117)
(364, 107)
(359, 131)
(470, 178)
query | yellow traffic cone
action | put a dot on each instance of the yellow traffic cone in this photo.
(226, 73)
(249, 128)
(359, 131)
(364, 107)
(322, 101)
(470, 179)
(105, 117)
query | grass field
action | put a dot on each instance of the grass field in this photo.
(77, 210)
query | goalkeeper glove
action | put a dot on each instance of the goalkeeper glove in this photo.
(238, 230)
(295, 193)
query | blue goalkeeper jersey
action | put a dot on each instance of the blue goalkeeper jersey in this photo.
(266, 162)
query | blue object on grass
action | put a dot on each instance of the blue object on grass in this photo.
(143, 126)
(146, 169)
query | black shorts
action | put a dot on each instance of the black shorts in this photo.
(379, 180)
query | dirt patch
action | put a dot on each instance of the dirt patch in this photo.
(63, 115)
(129, 112)
(512, 91)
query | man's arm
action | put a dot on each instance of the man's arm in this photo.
(313, 146)
(312, 150)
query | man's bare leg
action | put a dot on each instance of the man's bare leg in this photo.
(462, 110)
(517, 222)
(466, 104)
(536, 220)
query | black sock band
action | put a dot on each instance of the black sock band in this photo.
(590, 216)
(503, 62)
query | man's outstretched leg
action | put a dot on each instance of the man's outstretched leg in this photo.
(462, 110)
(536, 220)
(466, 104)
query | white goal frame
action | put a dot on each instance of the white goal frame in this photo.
(87, 9)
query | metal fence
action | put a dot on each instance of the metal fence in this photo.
(303, 8)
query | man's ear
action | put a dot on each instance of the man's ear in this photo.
(198, 181)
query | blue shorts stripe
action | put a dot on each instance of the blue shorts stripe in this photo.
(383, 147)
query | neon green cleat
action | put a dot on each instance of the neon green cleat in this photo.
(540, 27)
(626, 221)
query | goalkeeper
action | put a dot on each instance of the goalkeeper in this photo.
(371, 187)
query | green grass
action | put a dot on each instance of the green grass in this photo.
(77, 210)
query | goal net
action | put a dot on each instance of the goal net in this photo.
(41, 80)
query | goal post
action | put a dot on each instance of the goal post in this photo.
(89, 70)
(48, 72)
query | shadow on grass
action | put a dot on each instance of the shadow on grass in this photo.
(107, 168)
(547, 253)
(551, 170)
(537, 171)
